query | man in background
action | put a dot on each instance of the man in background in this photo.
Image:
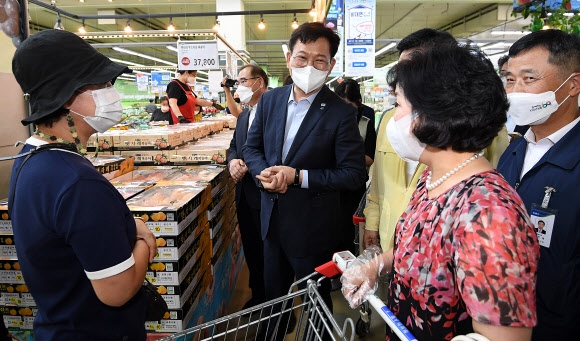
(252, 84)
(151, 107)
(544, 168)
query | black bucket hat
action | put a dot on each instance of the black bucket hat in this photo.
(50, 65)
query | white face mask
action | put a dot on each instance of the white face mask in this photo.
(392, 99)
(191, 80)
(245, 93)
(164, 108)
(405, 144)
(533, 109)
(308, 78)
(108, 111)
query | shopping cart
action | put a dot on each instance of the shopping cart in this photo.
(363, 325)
(314, 321)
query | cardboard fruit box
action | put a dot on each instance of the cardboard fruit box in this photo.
(199, 153)
(168, 210)
(180, 253)
(7, 249)
(173, 273)
(11, 276)
(178, 301)
(103, 141)
(228, 121)
(148, 157)
(150, 175)
(16, 294)
(111, 164)
(18, 317)
(207, 173)
(184, 289)
(176, 320)
(5, 222)
(153, 139)
(183, 239)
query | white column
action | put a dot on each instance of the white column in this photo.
(232, 27)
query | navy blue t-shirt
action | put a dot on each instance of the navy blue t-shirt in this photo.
(70, 224)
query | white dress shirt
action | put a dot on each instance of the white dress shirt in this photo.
(294, 118)
(536, 150)
(252, 116)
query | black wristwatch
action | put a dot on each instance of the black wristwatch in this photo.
(297, 178)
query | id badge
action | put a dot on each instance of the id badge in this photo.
(543, 219)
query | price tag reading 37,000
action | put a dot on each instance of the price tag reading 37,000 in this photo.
(197, 55)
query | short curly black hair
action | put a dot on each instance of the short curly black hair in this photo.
(457, 96)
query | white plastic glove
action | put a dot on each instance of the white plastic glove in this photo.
(470, 337)
(360, 278)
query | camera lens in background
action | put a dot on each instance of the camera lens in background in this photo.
(229, 83)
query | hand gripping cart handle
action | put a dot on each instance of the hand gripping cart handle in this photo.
(341, 261)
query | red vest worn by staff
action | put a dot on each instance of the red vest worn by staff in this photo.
(188, 108)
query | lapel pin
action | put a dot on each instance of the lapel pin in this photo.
(322, 105)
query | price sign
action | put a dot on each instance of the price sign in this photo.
(197, 55)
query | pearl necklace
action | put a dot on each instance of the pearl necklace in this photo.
(430, 185)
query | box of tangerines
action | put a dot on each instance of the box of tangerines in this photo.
(7, 247)
(176, 320)
(176, 301)
(18, 317)
(168, 210)
(173, 272)
(5, 222)
(16, 294)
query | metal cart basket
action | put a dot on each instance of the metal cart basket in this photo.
(314, 321)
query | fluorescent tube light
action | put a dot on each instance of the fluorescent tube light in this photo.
(120, 49)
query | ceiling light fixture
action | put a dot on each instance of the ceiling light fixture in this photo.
(496, 46)
(171, 47)
(546, 25)
(128, 28)
(81, 0)
(120, 49)
(216, 26)
(171, 27)
(385, 49)
(261, 24)
(501, 33)
(82, 29)
(124, 62)
(58, 25)
(295, 22)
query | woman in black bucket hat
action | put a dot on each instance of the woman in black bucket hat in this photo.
(81, 252)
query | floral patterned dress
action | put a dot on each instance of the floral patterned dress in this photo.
(470, 253)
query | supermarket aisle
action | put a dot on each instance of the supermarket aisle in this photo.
(342, 311)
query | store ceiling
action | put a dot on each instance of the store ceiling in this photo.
(395, 19)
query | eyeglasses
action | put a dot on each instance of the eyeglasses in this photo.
(243, 81)
(319, 63)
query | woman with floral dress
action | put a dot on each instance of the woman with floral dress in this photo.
(465, 253)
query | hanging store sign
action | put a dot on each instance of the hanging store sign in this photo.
(335, 21)
(160, 78)
(197, 55)
(360, 37)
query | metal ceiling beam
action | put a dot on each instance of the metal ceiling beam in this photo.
(165, 15)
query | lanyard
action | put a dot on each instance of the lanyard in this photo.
(547, 195)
